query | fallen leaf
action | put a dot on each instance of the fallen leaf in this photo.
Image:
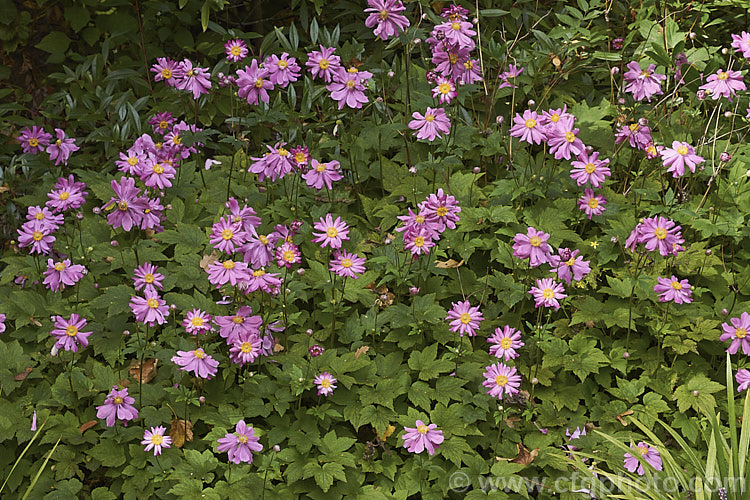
(108, 260)
(624, 414)
(35, 321)
(147, 374)
(388, 431)
(88, 425)
(524, 456)
(207, 260)
(123, 383)
(22, 376)
(362, 350)
(181, 431)
(448, 264)
(277, 347)
(511, 421)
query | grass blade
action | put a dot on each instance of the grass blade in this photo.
(41, 469)
(33, 438)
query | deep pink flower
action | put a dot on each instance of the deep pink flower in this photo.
(742, 44)
(236, 50)
(196, 80)
(132, 162)
(33, 140)
(37, 235)
(592, 204)
(240, 444)
(227, 235)
(201, 364)
(643, 83)
(451, 62)
(151, 309)
(589, 168)
(649, 454)
(146, 278)
(505, 342)
(568, 263)
(128, 204)
(282, 70)
(287, 254)
(679, 156)
(117, 406)
(638, 136)
(724, 84)
(457, 33)
(259, 279)
(157, 175)
(229, 271)
(414, 222)
(527, 128)
(674, 290)
(422, 437)
(347, 89)
(454, 12)
(161, 122)
(657, 232)
(322, 174)
(430, 126)
(445, 90)
(506, 76)
(547, 293)
(67, 194)
(737, 332)
(2, 323)
(332, 233)
(550, 118)
(60, 150)
(464, 318)
(253, 83)
(156, 440)
(441, 209)
(386, 17)
(259, 248)
(323, 63)
(275, 164)
(62, 273)
(197, 322)
(533, 246)
(501, 379)
(68, 332)
(348, 265)
(230, 327)
(245, 348)
(563, 139)
(165, 69)
(45, 217)
(418, 241)
(326, 384)
(743, 379)
(245, 215)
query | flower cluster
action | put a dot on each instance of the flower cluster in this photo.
(35, 140)
(183, 75)
(421, 231)
(657, 232)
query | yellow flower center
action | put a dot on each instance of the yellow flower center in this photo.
(441, 211)
(258, 83)
(320, 167)
(740, 333)
(572, 260)
(147, 211)
(554, 118)
(422, 429)
(535, 241)
(228, 264)
(166, 73)
(570, 136)
(71, 331)
(246, 347)
(60, 266)
(590, 168)
(419, 219)
(152, 303)
(456, 26)
(465, 318)
(199, 353)
(227, 234)
(300, 157)
(643, 450)
(676, 285)
(645, 73)
(242, 438)
(383, 15)
(39, 216)
(238, 320)
(117, 400)
(190, 73)
(157, 439)
(332, 232)
(148, 278)
(288, 256)
(593, 203)
(158, 169)
(122, 205)
(197, 321)
(37, 235)
(33, 142)
(501, 380)
(683, 150)
(283, 152)
(429, 118)
(324, 64)
(352, 70)
(660, 233)
(548, 293)
(235, 51)
(530, 123)
(468, 65)
(347, 263)
(453, 58)
(58, 142)
(163, 124)
(325, 383)
(133, 161)
(64, 195)
(263, 239)
(418, 241)
(258, 273)
(506, 343)
(282, 64)
(350, 84)
(444, 88)
(634, 127)
(651, 150)
(723, 76)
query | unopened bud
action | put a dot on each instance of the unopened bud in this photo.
(626, 355)
(202, 399)
(724, 312)
(477, 170)
(276, 448)
(113, 243)
(534, 381)
(79, 215)
(615, 70)
(725, 157)
(96, 210)
(391, 74)
(724, 51)
(531, 102)
(692, 35)
(696, 393)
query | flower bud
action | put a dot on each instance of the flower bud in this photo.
(96, 210)
(615, 70)
(724, 312)
(700, 95)
(500, 120)
(725, 157)
(531, 103)
(621, 101)
(476, 170)
(276, 448)
(414, 290)
(309, 331)
(113, 243)
(391, 74)
(708, 251)
(534, 381)
(126, 333)
(202, 399)
(696, 393)
(626, 355)
(300, 271)
(724, 51)
(79, 215)
(692, 35)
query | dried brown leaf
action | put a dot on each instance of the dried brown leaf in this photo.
(207, 260)
(22, 376)
(35, 321)
(524, 456)
(511, 421)
(362, 350)
(624, 414)
(181, 431)
(448, 264)
(88, 425)
(277, 347)
(147, 374)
